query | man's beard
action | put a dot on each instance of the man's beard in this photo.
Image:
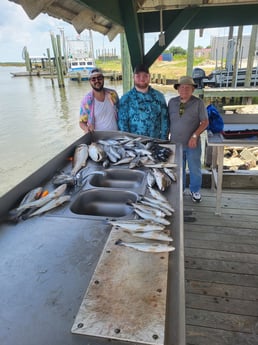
(143, 86)
(98, 89)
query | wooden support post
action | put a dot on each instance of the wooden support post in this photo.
(59, 72)
(190, 52)
(126, 64)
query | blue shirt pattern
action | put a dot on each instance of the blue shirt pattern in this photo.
(144, 113)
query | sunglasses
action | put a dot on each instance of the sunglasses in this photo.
(181, 109)
(97, 78)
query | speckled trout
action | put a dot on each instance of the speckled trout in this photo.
(147, 247)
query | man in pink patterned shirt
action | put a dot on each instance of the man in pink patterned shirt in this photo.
(99, 107)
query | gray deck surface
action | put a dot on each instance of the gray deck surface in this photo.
(221, 269)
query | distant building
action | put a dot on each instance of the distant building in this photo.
(202, 52)
(219, 47)
(106, 54)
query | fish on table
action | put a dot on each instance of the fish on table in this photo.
(152, 217)
(162, 180)
(97, 152)
(170, 173)
(32, 195)
(81, 155)
(51, 205)
(149, 209)
(137, 224)
(147, 247)
(151, 235)
(42, 201)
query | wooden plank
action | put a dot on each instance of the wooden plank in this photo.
(223, 290)
(221, 265)
(225, 238)
(222, 277)
(126, 298)
(219, 245)
(236, 220)
(219, 230)
(222, 304)
(225, 321)
(221, 255)
(203, 335)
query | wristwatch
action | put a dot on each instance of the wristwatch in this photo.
(194, 136)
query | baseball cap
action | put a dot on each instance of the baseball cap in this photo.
(95, 72)
(141, 68)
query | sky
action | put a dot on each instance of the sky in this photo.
(17, 30)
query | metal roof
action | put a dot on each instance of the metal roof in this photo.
(137, 17)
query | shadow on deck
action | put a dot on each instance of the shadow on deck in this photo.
(221, 269)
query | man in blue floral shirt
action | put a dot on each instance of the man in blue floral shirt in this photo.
(143, 110)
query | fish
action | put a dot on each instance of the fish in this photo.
(147, 247)
(96, 152)
(152, 217)
(171, 173)
(157, 195)
(125, 160)
(42, 201)
(135, 162)
(154, 211)
(32, 195)
(110, 154)
(161, 179)
(80, 158)
(51, 204)
(160, 203)
(150, 179)
(151, 235)
(137, 224)
(160, 153)
(157, 206)
(64, 178)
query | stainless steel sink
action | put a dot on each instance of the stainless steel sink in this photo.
(104, 203)
(118, 178)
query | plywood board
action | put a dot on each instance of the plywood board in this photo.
(126, 298)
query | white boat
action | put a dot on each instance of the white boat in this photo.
(80, 57)
(79, 68)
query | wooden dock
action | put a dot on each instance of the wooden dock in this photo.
(221, 269)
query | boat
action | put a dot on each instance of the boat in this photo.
(49, 261)
(223, 78)
(80, 57)
(79, 68)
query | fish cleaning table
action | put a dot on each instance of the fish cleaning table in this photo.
(131, 297)
(60, 255)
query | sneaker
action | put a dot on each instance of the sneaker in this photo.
(196, 196)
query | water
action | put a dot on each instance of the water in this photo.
(38, 121)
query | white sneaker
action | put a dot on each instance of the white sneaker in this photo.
(196, 196)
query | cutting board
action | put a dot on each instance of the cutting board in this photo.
(126, 298)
